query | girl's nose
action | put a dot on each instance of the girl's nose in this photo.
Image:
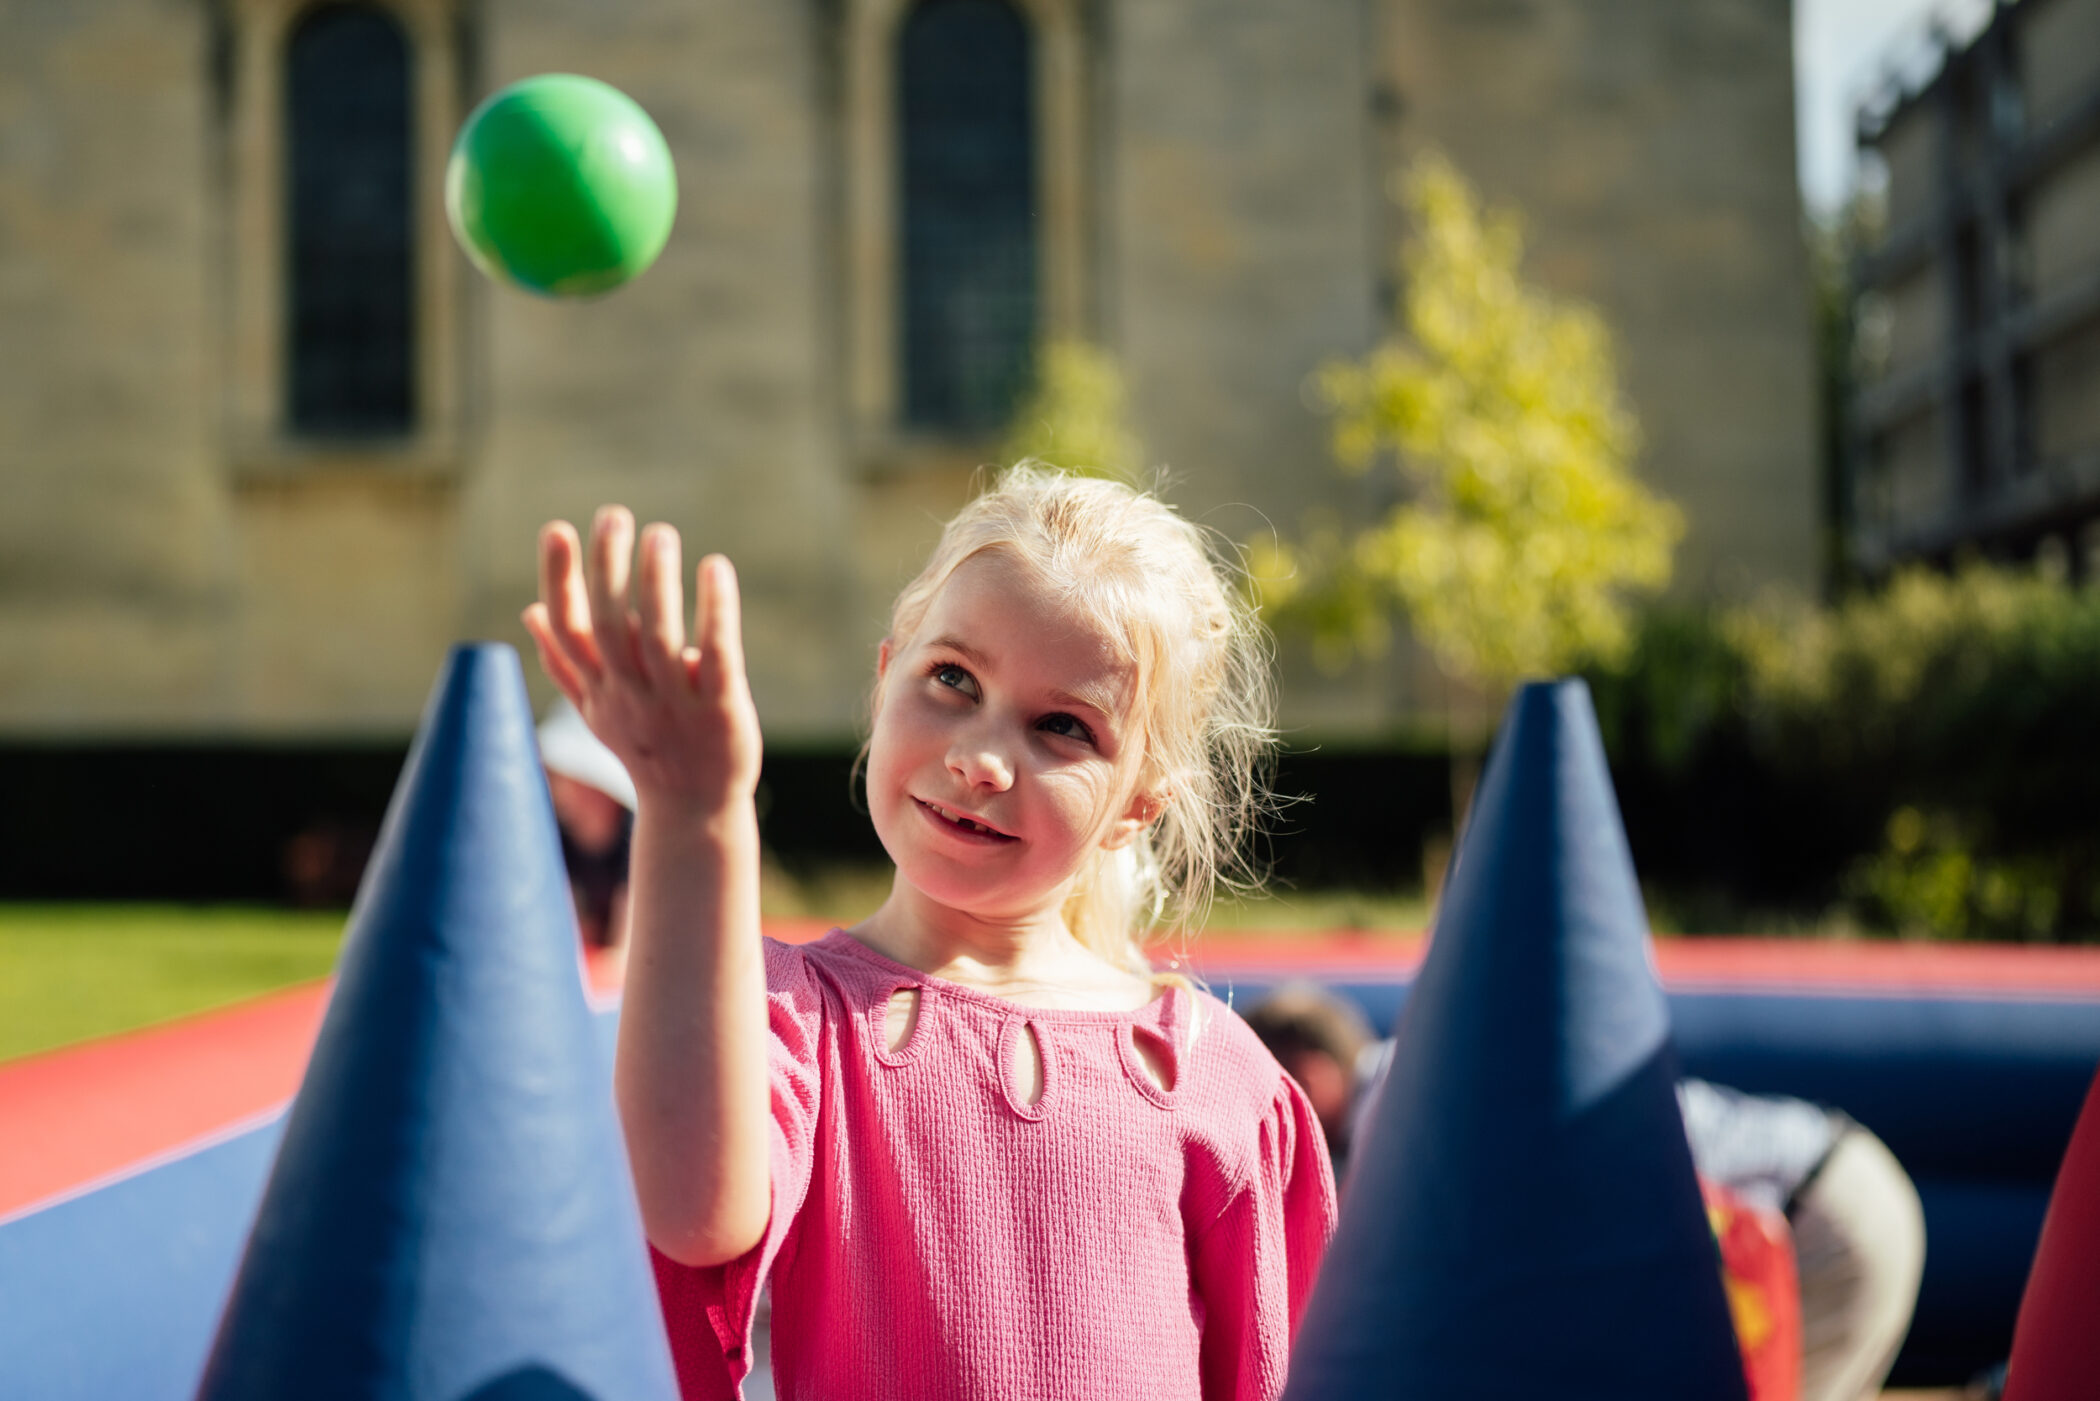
(980, 765)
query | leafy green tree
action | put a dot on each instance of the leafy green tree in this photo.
(1969, 698)
(1522, 533)
(1923, 751)
(1076, 415)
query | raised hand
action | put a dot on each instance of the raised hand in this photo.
(612, 637)
(690, 1075)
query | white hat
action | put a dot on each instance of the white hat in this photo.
(568, 747)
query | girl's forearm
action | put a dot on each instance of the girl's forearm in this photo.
(690, 1076)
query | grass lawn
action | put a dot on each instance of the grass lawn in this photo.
(1281, 910)
(69, 972)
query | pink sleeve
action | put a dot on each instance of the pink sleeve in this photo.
(709, 1312)
(1254, 1267)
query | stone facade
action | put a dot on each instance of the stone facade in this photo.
(1977, 426)
(1650, 146)
(172, 565)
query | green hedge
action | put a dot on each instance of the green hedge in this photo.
(1927, 753)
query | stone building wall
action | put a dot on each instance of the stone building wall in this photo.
(170, 567)
(113, 536)
(1650, 146)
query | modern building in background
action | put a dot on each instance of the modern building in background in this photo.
(270, 445)
(1977, 424)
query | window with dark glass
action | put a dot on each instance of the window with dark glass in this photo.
(969, 204)
(350, 302)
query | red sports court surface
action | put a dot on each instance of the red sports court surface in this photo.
(73, 1118)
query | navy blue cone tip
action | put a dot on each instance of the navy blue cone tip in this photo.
(1521, 1217)
(449, 1215)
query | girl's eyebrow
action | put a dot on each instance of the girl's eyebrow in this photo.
(947, 642)
(1097, 703)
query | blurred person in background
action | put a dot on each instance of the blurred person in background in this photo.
(1858, 1231)
(1320, 1039)
(594, 807)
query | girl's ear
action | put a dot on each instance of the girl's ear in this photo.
(1144, 808)
(882, 673)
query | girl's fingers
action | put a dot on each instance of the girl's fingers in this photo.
(719, 625)
(605, 575)
(567, 608)
(560, 670)
(660, 603)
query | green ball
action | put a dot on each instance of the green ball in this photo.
(562, 185)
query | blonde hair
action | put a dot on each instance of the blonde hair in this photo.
(1205, 700)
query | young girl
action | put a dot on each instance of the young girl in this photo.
(978, 1147)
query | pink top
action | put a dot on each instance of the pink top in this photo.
(932, 1237)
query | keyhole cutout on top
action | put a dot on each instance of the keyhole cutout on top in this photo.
(900, 1019)
(1027, 1067)
(1155, 1056)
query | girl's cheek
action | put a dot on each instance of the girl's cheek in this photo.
(1080, 798)
(918, 715)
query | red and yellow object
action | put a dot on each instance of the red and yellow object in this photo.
(1764, 1295)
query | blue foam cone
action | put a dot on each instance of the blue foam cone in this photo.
(1522, 1219)
(449, 1215)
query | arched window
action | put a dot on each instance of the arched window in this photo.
(351, 273)
(969, 213)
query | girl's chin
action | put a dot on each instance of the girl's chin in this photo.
(993, 902)
(967, 877)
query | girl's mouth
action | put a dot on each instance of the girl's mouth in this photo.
(966, 827)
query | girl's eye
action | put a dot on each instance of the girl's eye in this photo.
(952, 676)
(1070, 726)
